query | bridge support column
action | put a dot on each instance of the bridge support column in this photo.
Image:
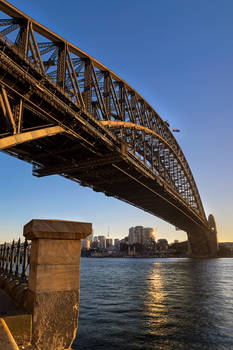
(202, 244)
(54, 280)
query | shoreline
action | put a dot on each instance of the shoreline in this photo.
(152, 257)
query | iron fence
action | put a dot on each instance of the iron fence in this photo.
(15, 259)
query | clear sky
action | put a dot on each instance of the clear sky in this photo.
(178, 54)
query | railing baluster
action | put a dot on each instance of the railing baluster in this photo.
(1, 254)
(4, 258)
(7, 259)
(17, 259)
(12, 256)
(24, 267)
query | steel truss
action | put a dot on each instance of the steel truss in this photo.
(41, 73)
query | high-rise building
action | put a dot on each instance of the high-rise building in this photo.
(102, 242)
(117, 243)
(131, 235)
(109, 243)
(139, 234)
(148, 235)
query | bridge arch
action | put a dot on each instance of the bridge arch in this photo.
(160, 155)
(48, 85)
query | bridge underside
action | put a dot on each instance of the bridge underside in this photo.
(112, 173)
(93, 157)
(61, 123)
(115, 174)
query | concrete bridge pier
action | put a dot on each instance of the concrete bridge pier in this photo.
(203, 243)
(53, 287)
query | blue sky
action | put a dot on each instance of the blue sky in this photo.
(178, 54)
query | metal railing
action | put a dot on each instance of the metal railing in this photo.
(15, 259)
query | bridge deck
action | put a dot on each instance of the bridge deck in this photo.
(113, 173)
(68, 114)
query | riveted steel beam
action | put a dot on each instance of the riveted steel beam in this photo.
(111, 99)
(23, 38)
(88, 164)
(6, 107)
(61, 65)
(87, 86)
(14, 140)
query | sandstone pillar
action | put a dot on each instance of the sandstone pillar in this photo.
(213, 236)
(198, 244)
(54, 280)
(202, 243)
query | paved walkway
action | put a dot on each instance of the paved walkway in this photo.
(7, 305)
(7, 308)
(6, 340)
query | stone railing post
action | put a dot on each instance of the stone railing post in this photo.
(54, 275)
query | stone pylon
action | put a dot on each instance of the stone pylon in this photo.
(203, 243)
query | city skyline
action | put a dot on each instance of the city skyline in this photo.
(191, 88)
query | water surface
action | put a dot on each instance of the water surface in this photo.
(162, 304)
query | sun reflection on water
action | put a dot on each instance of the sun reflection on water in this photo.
(155, 306)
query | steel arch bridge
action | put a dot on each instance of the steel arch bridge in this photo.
(68, 114)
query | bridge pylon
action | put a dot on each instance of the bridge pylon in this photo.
(67, 114)
(203, 243)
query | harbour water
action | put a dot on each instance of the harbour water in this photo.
(164, 304)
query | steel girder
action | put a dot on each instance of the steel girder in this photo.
(70, 79)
